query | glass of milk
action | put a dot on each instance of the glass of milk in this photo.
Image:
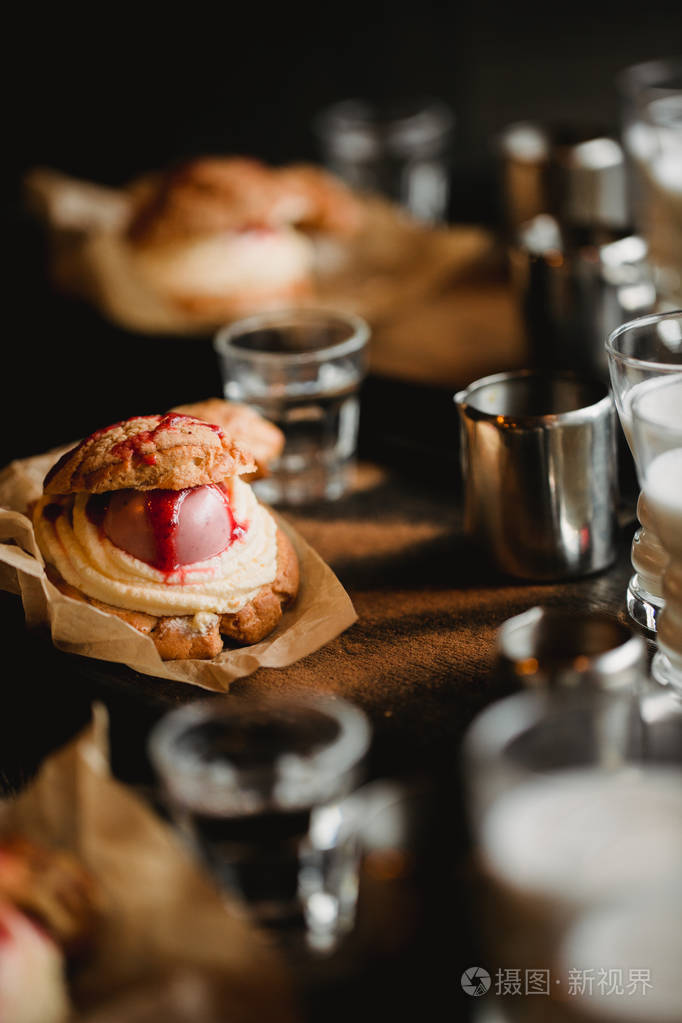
(640, 941)
(640, 351)
(652, 137)
(561, 834)
(657, 433)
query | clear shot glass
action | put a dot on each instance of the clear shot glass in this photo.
(401, 151)
(302, 369)
(639, 352)
(263, 788)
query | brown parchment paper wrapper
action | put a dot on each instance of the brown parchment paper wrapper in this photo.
(394, 272)
(321, 611)
(169, 944)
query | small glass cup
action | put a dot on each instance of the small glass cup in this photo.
(640, 351)
(263, 789)
(401, 151)
(657, 433)
(559, 648)
(652, 136)
(301, 369)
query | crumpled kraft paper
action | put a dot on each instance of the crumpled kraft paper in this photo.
(321, 611)
(169, 944)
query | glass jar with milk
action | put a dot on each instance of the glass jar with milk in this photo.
(657, 432)
(576, 811)
(652, 137)
(639, 352)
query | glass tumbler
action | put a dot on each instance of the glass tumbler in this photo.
(263, 789)
(652, 137)
(639, 352)
(657, 432)
(623, 955)
(301, 369)
(401, 150)
(562, 832)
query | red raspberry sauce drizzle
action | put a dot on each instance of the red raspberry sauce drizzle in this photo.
(162, 509)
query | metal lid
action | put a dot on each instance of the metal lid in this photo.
(525, 142)
(593, 183)
(573, 172)
(541, 236)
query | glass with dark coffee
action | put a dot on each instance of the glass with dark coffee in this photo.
(262, 788)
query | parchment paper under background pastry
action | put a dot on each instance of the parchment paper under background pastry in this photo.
(170, 946)
(321, 611)
(436, 291)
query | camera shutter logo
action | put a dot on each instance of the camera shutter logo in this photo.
(475, 981)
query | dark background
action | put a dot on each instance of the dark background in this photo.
(110, 92)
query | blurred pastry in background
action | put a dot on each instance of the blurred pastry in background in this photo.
(32, 972)
(48, 909)
(198, 244)
(231, 234)
(245, 426)
(183, 251)
(53, 887)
